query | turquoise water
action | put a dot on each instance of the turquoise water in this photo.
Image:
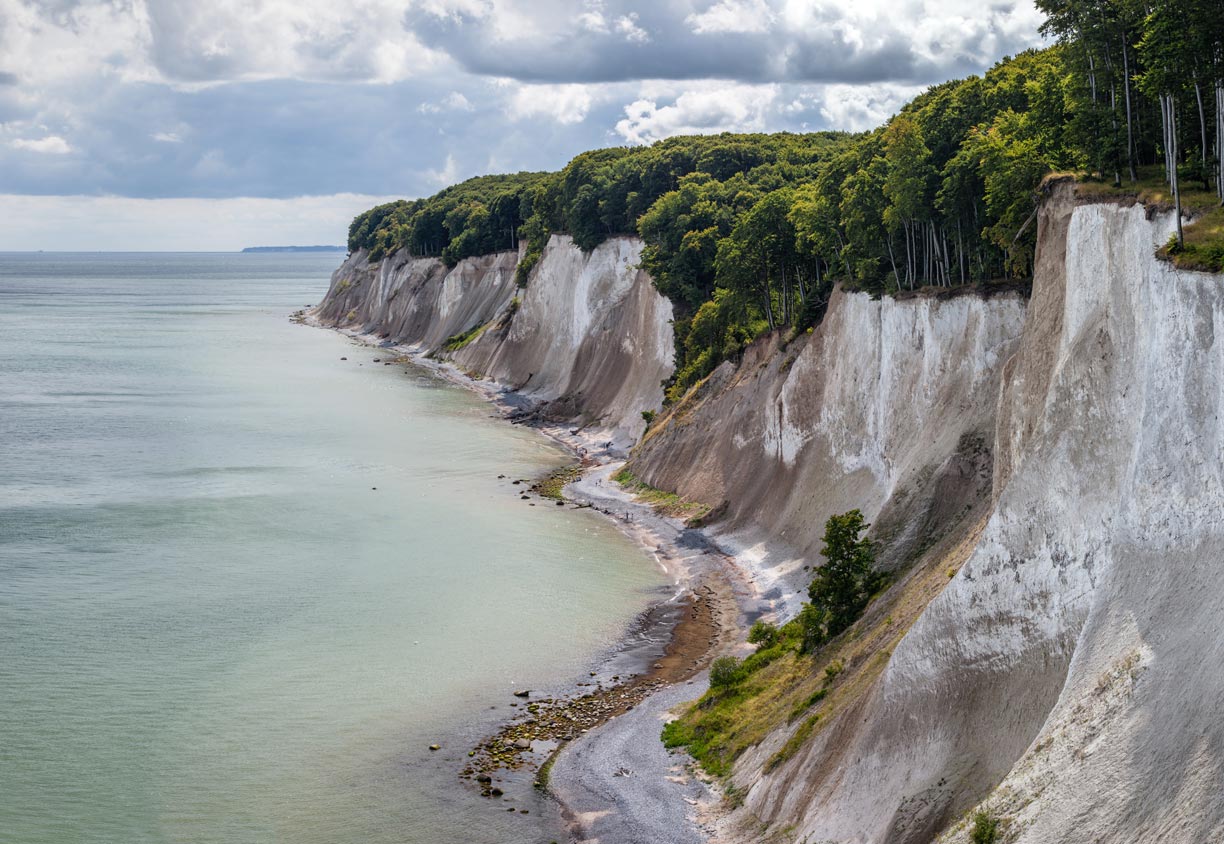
(212, 628)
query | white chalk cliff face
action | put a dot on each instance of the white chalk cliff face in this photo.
(888, 407)
(1070, 674)
(589, 339)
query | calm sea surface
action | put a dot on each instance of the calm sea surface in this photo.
(212, 628)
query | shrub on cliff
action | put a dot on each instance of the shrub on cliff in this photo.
(762, 633)
(725, 671)
(843, 585)
(985, 829)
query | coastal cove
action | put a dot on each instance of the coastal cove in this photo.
(245, 584)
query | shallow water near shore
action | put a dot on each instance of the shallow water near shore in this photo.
(212, 627)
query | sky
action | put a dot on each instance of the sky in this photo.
(218, 124)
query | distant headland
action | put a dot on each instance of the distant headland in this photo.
(294, 249)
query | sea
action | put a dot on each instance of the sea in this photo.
(245, 584)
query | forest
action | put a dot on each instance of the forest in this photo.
(747, 234)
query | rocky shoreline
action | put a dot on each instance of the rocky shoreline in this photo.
(703, 617)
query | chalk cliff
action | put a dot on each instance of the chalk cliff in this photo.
(888, 407)
(588, 341)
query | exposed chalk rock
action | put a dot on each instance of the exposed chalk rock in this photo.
(588, 341)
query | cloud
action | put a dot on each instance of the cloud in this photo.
(594, 19)
(627, 26)
(50, 145)
(743, 16)
(191, 43)
(454, 101)
(564, 104)
(818, 41)
(167, 137)
(448, 174)
(90, 223)
(723, 108)
(858, 107)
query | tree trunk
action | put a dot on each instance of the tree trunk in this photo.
(1164, 128)
(892, 259)
(1130, 132)
(960, 250)
(1198, 95)
(1171, 110)
(769, 301)
(1219, 92)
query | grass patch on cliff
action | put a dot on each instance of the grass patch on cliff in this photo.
(667, 503)
(1203, 249)
(782, 689)
(457, 341)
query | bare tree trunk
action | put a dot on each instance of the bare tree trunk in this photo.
(892, 259)
(786, 297)
(768, 301)
(960, 250)
(1171, 122)
(943, 239)
(1170, 170)
(1113, 122)
(1130, 132)
(1198, 95)
(1219, 92)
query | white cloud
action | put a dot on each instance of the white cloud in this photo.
(594, 19)
(733, 16)
(167, 137)
(627, 25)
(88, 223)
(710, 109)
(448, 174)
(454, 101)
(937, 31)
(50, 145)
(565, 104)
(861, 107)
(191, 44)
